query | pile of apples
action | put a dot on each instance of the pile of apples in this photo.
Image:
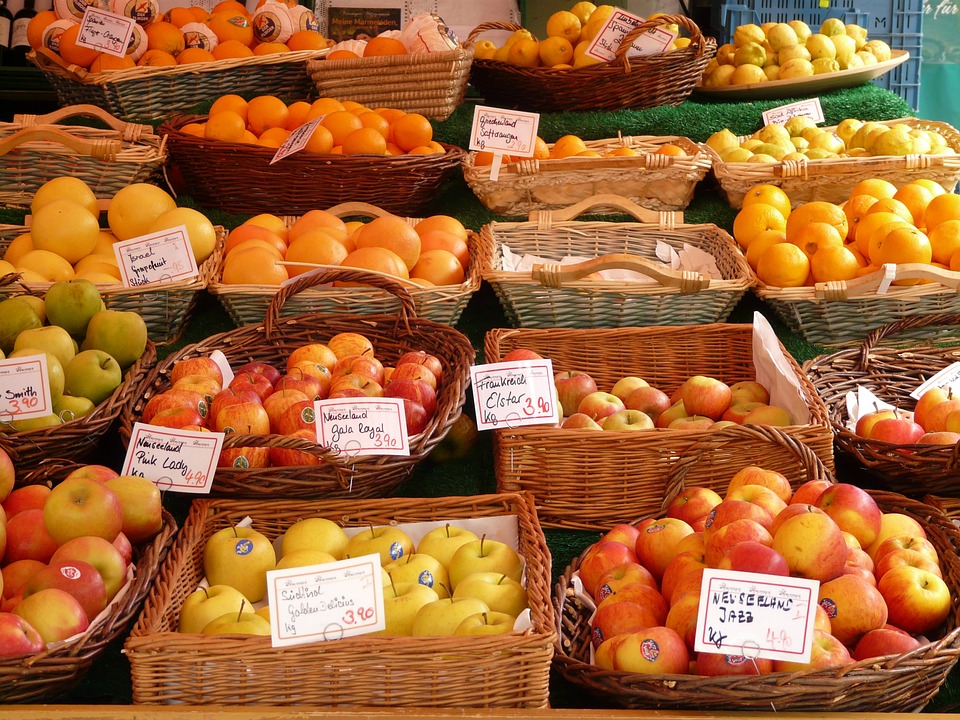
(87, 347)
(934, 420)
(881, 585)
(450, 583)
(65, 552)
(262, 400)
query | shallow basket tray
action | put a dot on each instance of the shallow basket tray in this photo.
(891, 373)
(636, 83)
(337, 475)
(560, 296)
(153, 93)
(650, 179)
(35, 149)
(892, 683)
(832, 179)
(432, 84)
(239, 178)
(508, 670)
(166, 308)
(248, 303)
(589, 480)
(77, 439)
(53, 673)
(844, 312)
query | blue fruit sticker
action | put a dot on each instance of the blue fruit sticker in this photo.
(396, 551)
(425, 578)
(243, 547)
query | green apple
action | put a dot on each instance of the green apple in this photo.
(441, 617)
(70, 408)
(442, 542)
(314, 534)
(420, 568)
(389, 542)
(121, 333)
(304, 558)
(485, 555)
(55, 374)
(37, 304)
(71, 303)
(500, 592)
(401, 603)
(16, 315)
(243, 622)
(239, 557)
(51, 339)
(25, 425)
(486, 623)
(93, 374)
(206, 604)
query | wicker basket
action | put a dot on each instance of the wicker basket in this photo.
(432, 84)
(656, 181)
(636, 83)
(558, 296)
(509, 670)
(832, 179)
(239, 178)
(248, 303)
(166, 308)
(890, 373)
(78, 439)
(337, 476)
(841, 313)
(35, 149)
(893, 683)
(590, 480)
(153, 93)
(52, 674)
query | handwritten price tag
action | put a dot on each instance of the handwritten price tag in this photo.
(325, 602)
(297, 140)
(606, 43)
(805, 108)
(948, 378)
(756, 615)
(179, 460)
(512, 394)
(24, 388)
(361, 426)
(160, 257)
(105, 31)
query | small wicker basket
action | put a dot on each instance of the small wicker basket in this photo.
(555, 296)
(248, 303)
(589, 480)
(432, 84)
(337, 475)
(510, 670)
(832, 179)
(892, 683)
(35, 149)
(636, 83)
(650, 179)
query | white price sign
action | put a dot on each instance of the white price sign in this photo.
(105, 31)
(297, 140)
(504, 131)
(363, 426)
(948, 378)
(174, 459)
(756, 615)
(161, 257)
(805, 108)
(606, 43)
(24, 388)
(511, 394)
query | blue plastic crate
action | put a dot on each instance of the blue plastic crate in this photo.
(899, 23)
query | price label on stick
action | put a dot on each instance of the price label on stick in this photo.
(503, 132)
(610, 37)
(805, 108)
(161, 257)
(756, 615)
(512, 394)
(363, 426)
(174, 459)
(105, 31)
(24, 388)
(297, 140)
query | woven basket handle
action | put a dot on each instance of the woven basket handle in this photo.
(665, 219)
(554, 274)
(494, 25)
(696, 37)
(101, 149)
(868, 284)
(360, 209)
(272, 321)
(908, 323)
(46, 59)
(127, 131)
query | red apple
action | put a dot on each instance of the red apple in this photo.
(177, 417)
(230, 396)
(681, 565)
(414, 372)
(790, 511)
(142, 507)
(654, 651)
(911, 558)
(731, 510)
(299, 416)
(419, 357)
(174, 398)
(618, 618)
(7, 475)
(258, 382)
(76, 577)
(673, 412)
(754, 475)
(753, 556)
(203, 384)
(101, 554)
(580, 421)
(307, 384)
(657, 542)
(918, 601)
(350, 343)
(626, 385)
(599, 558)
(627, 420)
(854, 607)
(769, 415)
(892, 524)
(809, 491)
(703, 395)
(412, 389)
(278, 401)
(687, 584)
(25, 497)
(738, 531)
(712, 664)
(899, 431)
(759, 495)
(623, 533)
(865, 423)
(355, 381)
(366, 365)
(692, 422)
(887, 640)
(246, 418)
(416, 417)
(738, 412)
(906, 542)
(859, 563)
(244, 458)
(284, 457)
(17, 573)
(616, 578)
(318, 353)
(81, 506)
(826, 651)
(639, 592)
(271, 373)
(853, 509)
(101, 473)
(318, 371)
(521, 354)
(935, 418)
(122, 543)
(649, 400)
(572, 387)
(939, 438)
(693, 505)
(54, 614)
(196, 366)
(27, 538)
(18, 636)
(682, 618)
(597, 405)
(812, 545)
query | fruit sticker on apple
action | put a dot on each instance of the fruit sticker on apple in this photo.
(175, 459)
(515, 393)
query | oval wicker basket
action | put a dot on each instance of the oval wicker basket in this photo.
(893, 683)
(636, 83)
(337, 475)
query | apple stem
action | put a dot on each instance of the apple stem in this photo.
(392, 585)
(447, 528)
(240, 612)
(485, 620)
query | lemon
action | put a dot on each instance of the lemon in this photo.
(200, 231)
(556, 51)
(134, 208)
(65, 228)
(565, 24)
(524, 53)
(583, 10)
(484, 49)
(48, 265)
(65, 188)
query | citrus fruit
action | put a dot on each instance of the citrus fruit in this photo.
(443, 240)
(201, 233)
(815, 236)
(65, 187)
(816, 211)
(941, 209)
(755, 219)
(378, 259)
(73, 53)
(393, 233)
(855, 208)
(439, 266)
(916, 197)
(834, 263)
(165, 36)
(314, 247)
(226, 125)
(768, 195)
(784, 265)
(66, 228)
(875, 187)
(253, 266)
(365, 141)
(313, 219)
(381, 45)
(411, 130)
(265, 112)
(49, 265)
(945, 240)
(134, 208)
(230, 102)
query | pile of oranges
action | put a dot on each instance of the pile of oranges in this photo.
(347, 127)
(183, 35)
(574, 146)
(265, 251)
(819, 241)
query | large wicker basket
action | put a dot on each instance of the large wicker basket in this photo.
(650, 179)
(52, 674)
(337, 475)
(35, 149)
(432, 84)
(890, 373)
(239, 178)
(584, 479)
(636, 83)
(893, 683)
(153, 93)
(248, 303)
(507, 671)
(558, 297)
(832, 179)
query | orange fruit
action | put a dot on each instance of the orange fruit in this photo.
(422, 150)
(248, 138)
(370, 119)
(875, 187)
(934, 187)
(230, 102)
(265, 112)
(231, 49)
(902, 244)
(195, 55)
(941, 209)
(879, 234)
(354, 107)
(321, 141)
(955, 261)
(38, 23)
(833, 263)
(297, 114)
(784, 265)
(623, 152)
(446, 223)
(270, 48)
(341, 123)
(393, 233)
(106, 61)
(365, 141)
(443, 240)
(231, 6)
(179, 16)
(307, 40)
(273, 137)
(384, 46)
(916, 197)
(855, 208)
(257, 242)
(390, 114)
(156, 58)
(760, 243)
(482, 158)
(671, 149)
(768, 195)
(945, 240)
(378, 259)
(439, 266)
(816, 236)
(251, 231)
(555, 51)
(315, 247)
(163, 36)
(868, 225)
(524, 53)
(411, 130)
(18, 247)
(271, 222)
(253, 266)
(323, 106)
(226, 125)
(73, 53)
(891, 205)
(342, 55)
(231, 25)
(755, 219)
(816, 211)
(195, 129)
(566, 146)
(313, 220)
